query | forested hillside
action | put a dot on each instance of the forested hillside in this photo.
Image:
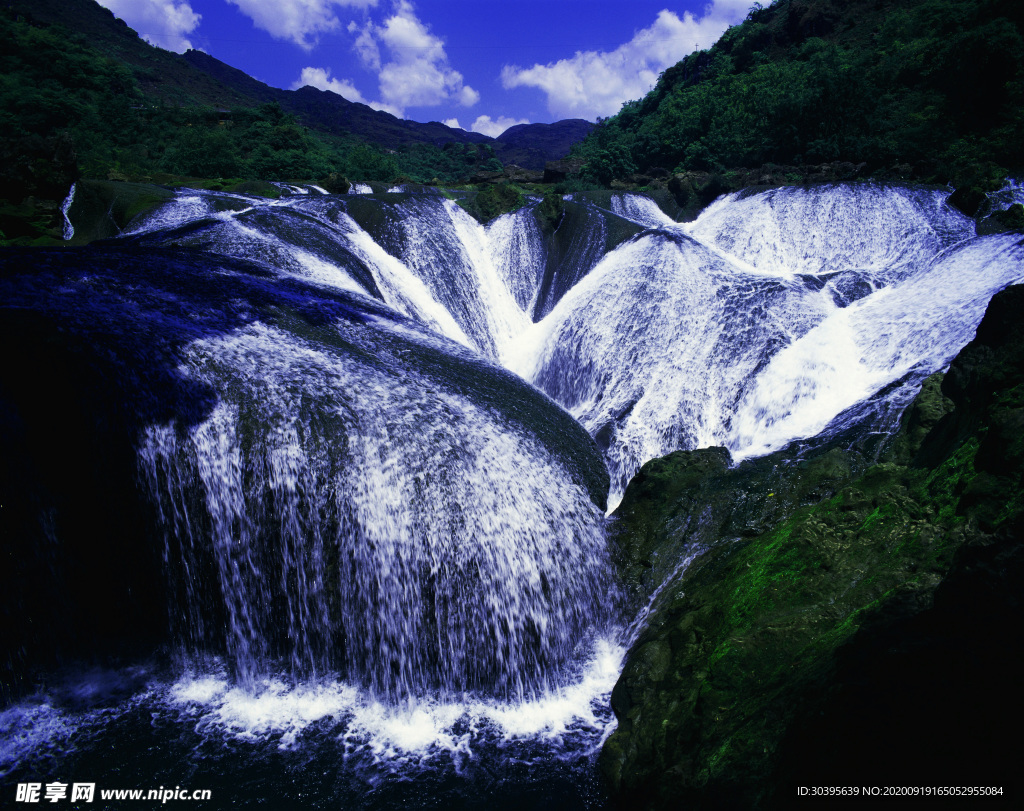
(134, 108)
(98, 102)
(924, 90)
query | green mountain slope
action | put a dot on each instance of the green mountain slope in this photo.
(196, 79)
(161, 76)
(929, 90)
(82, 95)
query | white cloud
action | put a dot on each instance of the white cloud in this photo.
(387, 108)
(416, 72)
(366, 46)
(467, 96)
(485, 125)
(299, 21)
(596, 83)
(164, 23)
(453, 123)
(320, 78)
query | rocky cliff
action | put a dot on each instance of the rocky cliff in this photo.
(848, 620)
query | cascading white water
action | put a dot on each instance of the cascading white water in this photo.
(796, 305)
(516, 249)
(390, 527)
(441, 269)
(640, 209)
(725, 331)
(355, 499)
(367, 528)
(652, 350)
(884, 230)
(69, 228)
(915, 327)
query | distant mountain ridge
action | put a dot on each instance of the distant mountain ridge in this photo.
(527, 145)
(532, 145)
(327, 111)
(196, 78)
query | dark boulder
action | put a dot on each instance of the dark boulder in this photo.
(967, 199)
(558, 171)
(517, 174)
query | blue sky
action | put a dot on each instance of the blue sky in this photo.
(483, 65)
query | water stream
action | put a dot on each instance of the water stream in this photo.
(379, 495)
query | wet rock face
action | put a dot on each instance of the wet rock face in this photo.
(858, 624)
(694, 499)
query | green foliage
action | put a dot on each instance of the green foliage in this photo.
(550, 212)
(426, 163)
(99, 98)
(54, 83)
(367, 163)
(934, 84)
(494, 201)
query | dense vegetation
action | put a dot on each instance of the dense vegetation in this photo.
(67, 109)
(931, 90)
(923, 90)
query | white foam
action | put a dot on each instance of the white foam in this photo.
(27, 726)
(835, 227)
(642, 210)
(283, 711)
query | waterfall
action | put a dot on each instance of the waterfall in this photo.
(913, 328)
(349, 492)
(764, 320)
(732, 330)
(652, 350)
(517, 251)
(878, 231)
(373, 440)
(640, 209)
(368, 519)
(65, 207)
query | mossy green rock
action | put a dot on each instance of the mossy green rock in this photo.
(691, 500)
(104, 208)
(865, 637)
(493, 201)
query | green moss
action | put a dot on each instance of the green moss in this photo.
(550, 212)
(260, 188)
(494, 201)
(759, 623)
(941, 488)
